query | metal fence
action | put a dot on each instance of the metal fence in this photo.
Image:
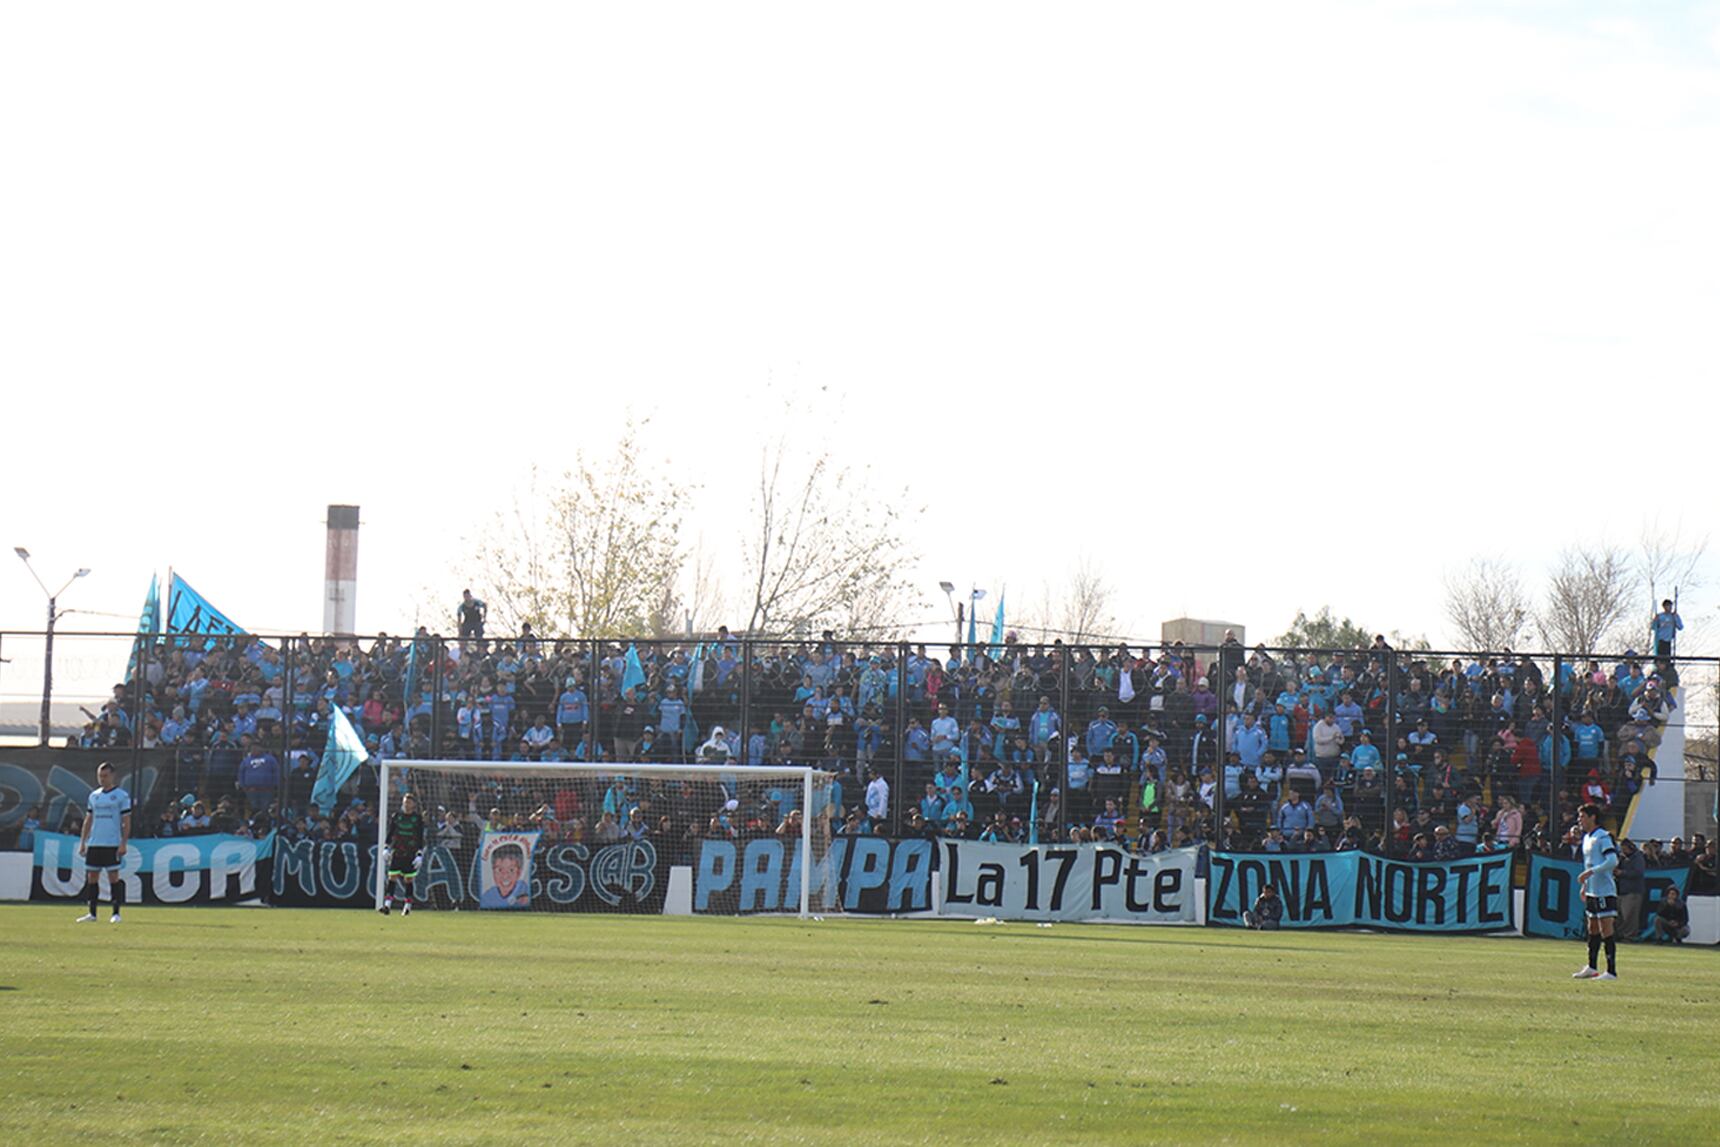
(1157, 745)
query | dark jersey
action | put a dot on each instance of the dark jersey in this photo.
(408, 839)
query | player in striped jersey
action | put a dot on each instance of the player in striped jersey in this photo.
(1600, 892)
(102, 844)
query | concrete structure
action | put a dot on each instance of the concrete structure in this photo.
(340, 573)
(1193, 631)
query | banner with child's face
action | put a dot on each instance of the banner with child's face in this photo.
(504, 876)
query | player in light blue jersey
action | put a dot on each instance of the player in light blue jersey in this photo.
(107, 828)
(1600, 892)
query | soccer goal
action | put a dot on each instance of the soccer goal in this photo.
(605, 837)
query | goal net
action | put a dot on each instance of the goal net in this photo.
(607, 837)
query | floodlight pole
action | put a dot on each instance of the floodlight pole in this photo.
(45, 729)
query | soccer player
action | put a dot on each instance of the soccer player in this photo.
(107, 828)
(1600, 892)
(405, 851)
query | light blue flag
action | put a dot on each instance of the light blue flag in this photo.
(148, 628)
(1033, 816)
(190, 612)
(633, 673)
(997, 629)
(340, 760)
(696, 671)
(411, 696)
(973, 631)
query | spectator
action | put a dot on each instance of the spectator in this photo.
(877, 800)
(471, 614)
(1268, 910)
(1294, 816)
(1672, 919)
(1631, 876)
(1666, 623)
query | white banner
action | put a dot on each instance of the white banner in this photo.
(1067, 882)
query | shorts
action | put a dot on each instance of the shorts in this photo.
(101, 856)
(1600, 907)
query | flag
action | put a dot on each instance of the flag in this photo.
(973, 637)
(997, 629)
(1033, 816)
(345, 752)
(190, 612)
(1125, 684)
(696, 674)
(148, 628)
(411, 694)
(633, 673)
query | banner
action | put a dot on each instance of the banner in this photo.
(176, 870)
(190, 612)
(58, 782)
(504, 874)
(1359, 890)
(1553, 902)
(1067, 882)
(625, 877)
(866, 874)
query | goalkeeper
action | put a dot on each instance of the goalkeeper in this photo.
(405, 853)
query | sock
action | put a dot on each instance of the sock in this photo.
(1612, 950)
(117, 894)
(95, 896)
(1594, 947)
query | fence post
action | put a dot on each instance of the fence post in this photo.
(899, 734)
(1222, 756)
(1555, 728)
(1061, 760)
(1388, 782)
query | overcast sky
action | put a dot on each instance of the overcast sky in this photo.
(1260, 306)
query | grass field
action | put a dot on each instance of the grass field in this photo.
(236, 1025)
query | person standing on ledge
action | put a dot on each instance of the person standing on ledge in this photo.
(1666, 625)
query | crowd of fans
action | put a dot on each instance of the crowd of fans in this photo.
(1151, 748)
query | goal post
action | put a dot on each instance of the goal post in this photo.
(605, 836)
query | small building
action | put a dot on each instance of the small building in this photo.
(1194, 631)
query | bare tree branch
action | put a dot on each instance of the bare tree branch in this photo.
(1590, 593)
(1487, 606)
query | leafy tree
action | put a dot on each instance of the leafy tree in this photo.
(1323, 631)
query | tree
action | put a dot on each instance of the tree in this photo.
(590, 553)
(1487, 606)
(1080, 611)
(1668, 562)
(1323, 631)
(824, 552)
(1591, 591)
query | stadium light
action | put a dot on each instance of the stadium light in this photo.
(54, 614)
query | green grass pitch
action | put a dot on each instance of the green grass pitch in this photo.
(273, 1026)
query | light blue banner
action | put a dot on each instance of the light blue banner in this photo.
(190, 612)
(1360, 890)
(171, 870)
(1554, 904)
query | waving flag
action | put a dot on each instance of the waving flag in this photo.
(344, 754)
(148, 628)
(633, 673)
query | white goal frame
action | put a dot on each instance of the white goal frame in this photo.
(804, 774)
